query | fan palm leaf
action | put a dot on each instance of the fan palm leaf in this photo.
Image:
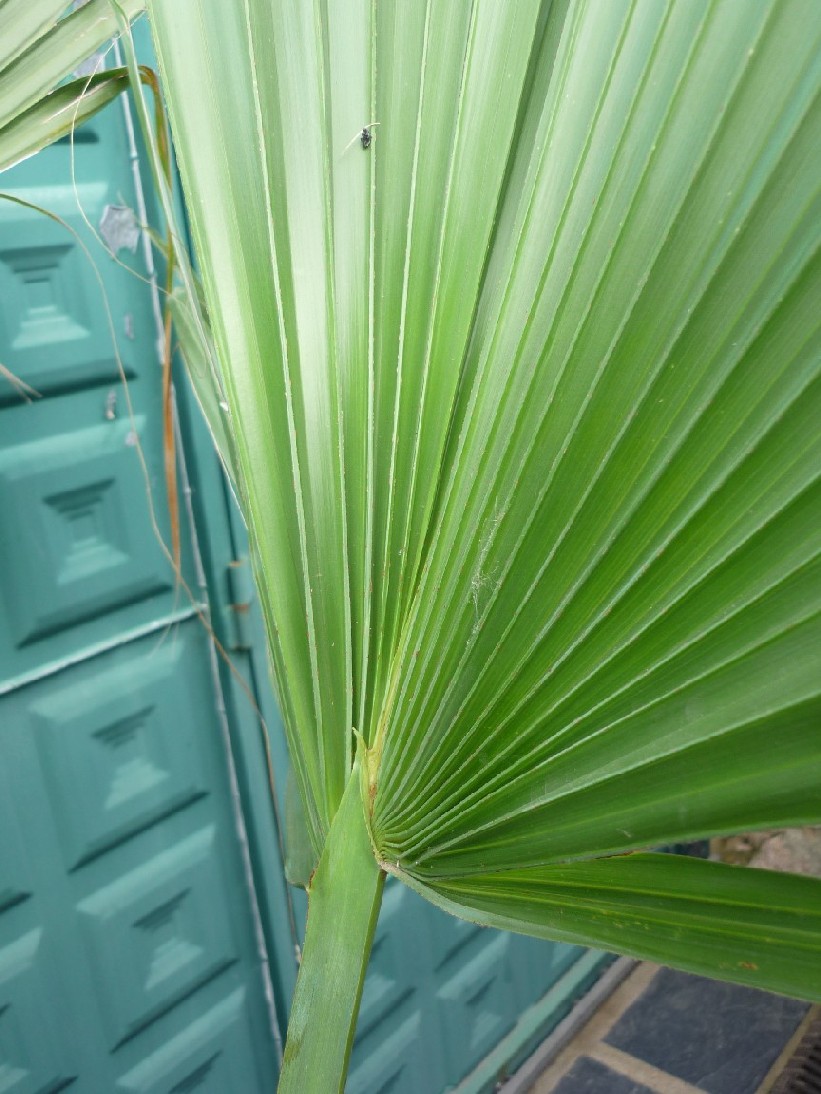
(515, 314)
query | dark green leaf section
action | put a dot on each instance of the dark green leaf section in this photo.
(754, 927)
(615, 637)
(449, 85)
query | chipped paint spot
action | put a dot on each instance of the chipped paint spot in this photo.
(119, 228)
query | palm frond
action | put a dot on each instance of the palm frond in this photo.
(525, 390)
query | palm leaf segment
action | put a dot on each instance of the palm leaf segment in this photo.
(525, 398)
(42, 42)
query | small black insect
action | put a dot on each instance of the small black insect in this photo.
(364, 136)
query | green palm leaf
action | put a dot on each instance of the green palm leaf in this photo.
(41, 44)
(751, 926)
(58, 114)
(524, 389)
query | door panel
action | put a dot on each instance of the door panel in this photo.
(128, 949)
(55, 329)
(80, 556)
(117, 751)
(210, 1054)
(77, 549)
(124, 922)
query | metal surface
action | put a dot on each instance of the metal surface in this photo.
(128, 958)
(802, 1073)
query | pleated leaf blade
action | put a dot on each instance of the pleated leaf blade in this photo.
(749, 926)
(615, 640)
(516, 308)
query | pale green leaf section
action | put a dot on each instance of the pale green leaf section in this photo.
(615, 640)
(52, 50)
(58, 114)
(23, 22)
(341, 283)
(751, 926)
(289, 447)
(196, 345)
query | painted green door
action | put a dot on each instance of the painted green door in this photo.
(129, 953)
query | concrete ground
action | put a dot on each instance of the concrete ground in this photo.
(665, 1032)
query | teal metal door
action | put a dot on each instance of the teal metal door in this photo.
(130, 953)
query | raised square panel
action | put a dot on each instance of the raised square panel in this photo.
(164, 928)
(15, 885)
(79, 542)
(118, 751)
(49, 300)
(448, 937)
(29, 1053)
(390, 1065)
(54, 331)
(536, 965)
(476, 1003)
(212, 1054)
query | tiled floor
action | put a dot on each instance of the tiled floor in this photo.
(666, 1032)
